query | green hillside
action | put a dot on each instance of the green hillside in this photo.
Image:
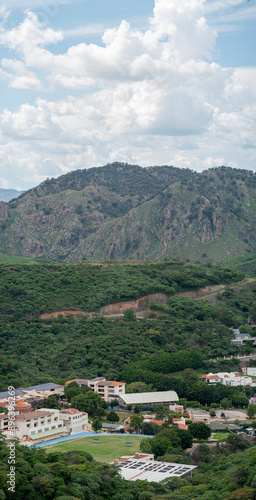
(35, 349)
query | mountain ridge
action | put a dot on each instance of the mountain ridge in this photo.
(123, 211)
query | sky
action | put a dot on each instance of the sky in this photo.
(84, 83)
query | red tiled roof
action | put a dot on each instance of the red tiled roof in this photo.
(158, 422)
(75, 379)
(33, 414)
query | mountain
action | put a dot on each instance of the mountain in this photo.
(123, 211)
(9, 194)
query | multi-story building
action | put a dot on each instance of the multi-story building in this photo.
(38, 426)
(108, 389)
(74, 420)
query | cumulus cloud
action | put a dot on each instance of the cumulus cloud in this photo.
(150, 97)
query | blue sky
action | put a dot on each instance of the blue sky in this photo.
(84, 83)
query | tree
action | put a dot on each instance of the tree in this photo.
(251, 410)
(96, 424)
(112, 417)
(225, 403)
(199, 430)
(52, 402)
(113, 403)
(129, 315)
(137, 408)
(136, 422)
(239, 400)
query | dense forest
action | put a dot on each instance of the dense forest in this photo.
(184, 332)
(226, 472)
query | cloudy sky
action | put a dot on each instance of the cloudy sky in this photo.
(88, 82)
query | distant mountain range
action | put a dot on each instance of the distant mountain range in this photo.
(9, 194)
(123, 211)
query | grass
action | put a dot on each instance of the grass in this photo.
(220, 437)
(16, 259)
(105, 450)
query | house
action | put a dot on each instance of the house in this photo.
(176, 408)
(250, 370)
(232, 379)
(149, 398)
(242, 338)
(108, 389)
(74, 420)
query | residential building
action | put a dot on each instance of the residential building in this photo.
(176, 408)
(232, 379)
(250, 370)
(74, 420)
(107, 389)
(242, 338)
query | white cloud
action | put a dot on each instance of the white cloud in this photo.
(148, 97)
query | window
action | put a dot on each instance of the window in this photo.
(46, 428)
(60, 425)
(33, 432)
(53, 426)
(39, 430)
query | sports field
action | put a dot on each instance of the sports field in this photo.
(105, 450)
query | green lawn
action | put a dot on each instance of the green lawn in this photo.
(105, 450)
(220, 437)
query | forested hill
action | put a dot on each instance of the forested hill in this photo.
(35, 349)
(124, 211)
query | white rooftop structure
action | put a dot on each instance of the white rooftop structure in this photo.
(149, 398)
(133, 469)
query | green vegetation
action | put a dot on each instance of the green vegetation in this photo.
(35, 350)
(16, 259)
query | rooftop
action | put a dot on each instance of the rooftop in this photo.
(42, 387)
(6, 394)
(33, 414)
(133, 469)
(150, 397)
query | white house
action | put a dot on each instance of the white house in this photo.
(251, 370)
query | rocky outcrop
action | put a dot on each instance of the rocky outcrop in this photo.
(3, 211)
(136, 305)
